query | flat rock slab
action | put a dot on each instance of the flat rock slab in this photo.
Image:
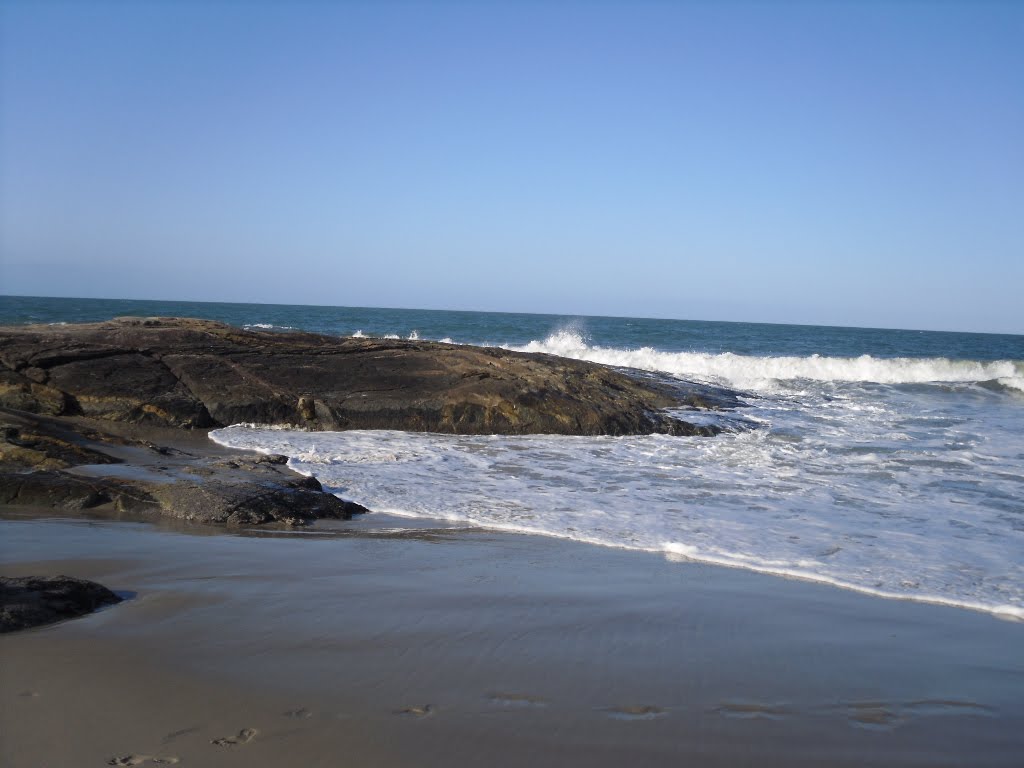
(31, 601)
(199, 373)
(64, 464)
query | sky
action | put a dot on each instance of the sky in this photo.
(832, 163)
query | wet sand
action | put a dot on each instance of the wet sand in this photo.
(385, 642)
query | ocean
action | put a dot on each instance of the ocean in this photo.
(890, 462)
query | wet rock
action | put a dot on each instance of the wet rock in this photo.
(273, 458)
(57, 464)
(56, 489)
(31, 601)
(253, 494)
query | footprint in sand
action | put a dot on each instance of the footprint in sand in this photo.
(635, 712)
(129, 760)
(418, 711)
(882, 715)
(244, 736)
(300, 714)
(516, 700)
(929, 707)
(750, 711)
(874, 715)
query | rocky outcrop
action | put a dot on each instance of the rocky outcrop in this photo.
(31, 601)
(198, 373)
(68, 392)
(62, 464)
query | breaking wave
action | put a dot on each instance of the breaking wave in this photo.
(756, 372)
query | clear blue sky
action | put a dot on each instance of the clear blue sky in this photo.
(831, 163)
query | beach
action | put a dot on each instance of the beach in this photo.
(500, 385)
(819, 571)
(380, 642)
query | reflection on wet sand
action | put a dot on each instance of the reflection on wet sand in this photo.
(392, 642)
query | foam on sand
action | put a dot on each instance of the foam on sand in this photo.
(894, 521)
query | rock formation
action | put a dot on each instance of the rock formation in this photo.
(200, 373)
(61, 464)
(79, 405)
(30, 601)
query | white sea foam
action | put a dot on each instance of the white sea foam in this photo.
(757, 372)
(896, 498)
(413, 336)
(910, 492)
(269, 326)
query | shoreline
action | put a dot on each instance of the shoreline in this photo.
(408, 641)
(671, 551)
(440, 646)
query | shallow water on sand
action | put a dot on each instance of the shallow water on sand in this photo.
(905, 491)
(452, 647)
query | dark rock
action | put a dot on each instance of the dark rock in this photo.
(253, 494)
(31, 601)
(57, 489)
(46, 462)
(38, 375)
(24, 444)
(19, 391)
(273, 458)
(307, 408)
(199, 373)
(128, 387)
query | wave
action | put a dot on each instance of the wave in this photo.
(757, 372)
(269, 327)
(682, 553)
(413, 336)
(812, 510)
(676, 551)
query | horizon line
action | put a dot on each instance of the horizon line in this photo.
(511, 312)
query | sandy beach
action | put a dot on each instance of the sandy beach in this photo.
(263, 625)
(512, 385)
(381, 642)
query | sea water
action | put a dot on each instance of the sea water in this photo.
(886, 461)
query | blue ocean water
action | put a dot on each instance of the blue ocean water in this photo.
(885, 461)
(504, 328)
